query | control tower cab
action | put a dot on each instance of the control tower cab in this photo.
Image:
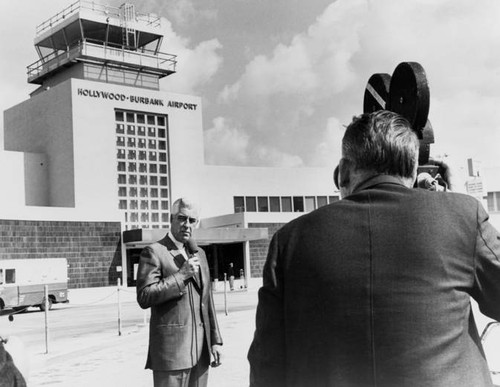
(100, 43)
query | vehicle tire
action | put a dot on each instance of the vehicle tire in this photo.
(42, 305)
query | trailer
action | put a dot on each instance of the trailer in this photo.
(23, 281)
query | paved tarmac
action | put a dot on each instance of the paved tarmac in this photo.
(106, 359)
(112, 360)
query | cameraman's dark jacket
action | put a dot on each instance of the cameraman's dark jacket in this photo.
(375, 290)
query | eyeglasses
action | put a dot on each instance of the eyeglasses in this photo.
(186, 219)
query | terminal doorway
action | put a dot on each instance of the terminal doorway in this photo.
(219, 256)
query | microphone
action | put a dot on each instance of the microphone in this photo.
(191, 247)
(426, 181)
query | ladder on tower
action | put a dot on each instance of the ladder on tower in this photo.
(127, 21)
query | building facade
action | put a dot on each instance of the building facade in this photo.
(96, 155)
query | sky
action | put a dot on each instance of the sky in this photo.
(280, 79)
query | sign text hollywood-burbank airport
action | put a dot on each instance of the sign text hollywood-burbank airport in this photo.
(135, 99)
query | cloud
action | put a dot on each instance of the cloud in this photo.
(297, 94)
(195, 66)
(227, 145)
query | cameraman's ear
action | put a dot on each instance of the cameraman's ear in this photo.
(344, 173)
(336, 177)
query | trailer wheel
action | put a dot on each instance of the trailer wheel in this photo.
(49, 302)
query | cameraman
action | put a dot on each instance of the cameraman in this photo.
(375, 289)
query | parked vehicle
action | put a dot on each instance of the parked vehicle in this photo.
(22, 282)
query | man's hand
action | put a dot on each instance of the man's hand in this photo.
(217, 354)
(190, 267)
(445, 170)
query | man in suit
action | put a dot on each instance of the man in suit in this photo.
(375, 289)
(174, 281)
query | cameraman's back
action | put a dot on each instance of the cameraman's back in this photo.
(374, 290)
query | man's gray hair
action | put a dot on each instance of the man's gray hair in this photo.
(382, 142)
(183, 203)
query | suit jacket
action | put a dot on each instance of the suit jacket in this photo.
(160, 288)
(375, 289)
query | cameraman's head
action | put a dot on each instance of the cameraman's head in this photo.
(379, 143)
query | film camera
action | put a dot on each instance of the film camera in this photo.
(406, 92)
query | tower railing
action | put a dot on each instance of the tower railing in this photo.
(150, 20)
(99, 52)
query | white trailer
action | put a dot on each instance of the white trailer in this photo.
(22, 282)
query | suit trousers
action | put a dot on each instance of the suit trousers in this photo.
(196, 376)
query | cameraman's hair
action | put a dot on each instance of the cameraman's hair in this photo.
(182, 203)
(382, 142)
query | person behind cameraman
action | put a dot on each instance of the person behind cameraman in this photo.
(375, 289)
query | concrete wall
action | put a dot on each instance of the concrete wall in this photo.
(43, 124)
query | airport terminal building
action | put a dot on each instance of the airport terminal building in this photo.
(96, 155)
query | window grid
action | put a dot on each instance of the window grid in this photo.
(285, 203)
(142, 169)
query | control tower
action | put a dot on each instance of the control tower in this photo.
(100, 43)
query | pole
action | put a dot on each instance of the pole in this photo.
(225, 294)
(46, 303)
(119, 307)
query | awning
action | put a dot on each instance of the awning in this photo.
(203, 236)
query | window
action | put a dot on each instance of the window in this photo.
(163, 156)
(151, 120)
(274, 203)
(161, 121)
(164, 217)
(493, 201)
(310, 203)
(251, 205)
(164, 205)
(239, 204)
(162, 145)
(120, 141)
(143, 180)
(141, 130)
(286, 204)
(122, 205)
(132, 167)
(131, 155)
(143, 155)
(132, 192)
(154, 192)
(332, 199)
(133, 205)
(141, 119)
(10, 276)
(120, 154)
(298, 204)
(163, 168)
(144, 192)
(263, 204)
(164, 193)
(121, 166)
(151, 131)
(130, 117)
(1, 276)
(120, 128)
(131, 130)
(161, 133)
(118, 116)
(153, 180)
(122, 191)
(154, 205)
(163, 181)
(155, 217)
(143, 167)
(153, 168)
(122, 179)
(132, 179)
(322, 201)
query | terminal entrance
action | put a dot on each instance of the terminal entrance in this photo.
(219, 257)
